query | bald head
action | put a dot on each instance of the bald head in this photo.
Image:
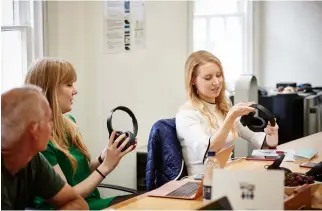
(19, 108)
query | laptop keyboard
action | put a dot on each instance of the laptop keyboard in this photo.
(185, 190)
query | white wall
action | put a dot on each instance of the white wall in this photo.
(288, 41)
(150, 82)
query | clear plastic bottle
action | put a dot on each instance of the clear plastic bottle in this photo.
(210, 164)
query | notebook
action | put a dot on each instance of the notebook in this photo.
(305, 153)
(250, 189)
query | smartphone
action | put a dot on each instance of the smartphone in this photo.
(199, 176)
(261, 158)
(308, 164)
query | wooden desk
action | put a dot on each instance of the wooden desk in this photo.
(144, 202)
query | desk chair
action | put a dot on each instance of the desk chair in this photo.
(164, 156)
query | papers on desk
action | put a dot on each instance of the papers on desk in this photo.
(264, 152)
(290, 154)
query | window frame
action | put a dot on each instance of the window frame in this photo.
(28, 18)
(247, 32)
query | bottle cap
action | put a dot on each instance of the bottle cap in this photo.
(211, 153)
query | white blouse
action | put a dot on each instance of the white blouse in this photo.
(194, 135)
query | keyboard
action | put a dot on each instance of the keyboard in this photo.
(185, 190)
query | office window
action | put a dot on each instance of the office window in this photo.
(21, 39)
(224, 28)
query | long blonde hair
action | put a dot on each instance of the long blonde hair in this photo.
(194, 61)
(50, 74)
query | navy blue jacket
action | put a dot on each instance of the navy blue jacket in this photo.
(164, 158)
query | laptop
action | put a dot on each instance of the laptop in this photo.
(179, 189)
(250, 189)
(188, 188)
(220, 204)
(224, 155)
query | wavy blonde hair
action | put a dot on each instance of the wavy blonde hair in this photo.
(50, 74)
(194, 61)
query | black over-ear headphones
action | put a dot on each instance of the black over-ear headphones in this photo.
(257, 124)
(131, 135)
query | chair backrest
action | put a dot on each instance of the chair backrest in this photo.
(164, 159)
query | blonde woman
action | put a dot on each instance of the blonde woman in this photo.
(66, 151)
(207, 120)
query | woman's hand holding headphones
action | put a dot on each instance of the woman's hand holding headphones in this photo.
(272, 135)
(102, 155)
(113, 154)
(270, 130)
(240, 109)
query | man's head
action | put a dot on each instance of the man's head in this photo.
(25, 120)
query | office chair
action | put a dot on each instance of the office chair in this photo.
(164, 156)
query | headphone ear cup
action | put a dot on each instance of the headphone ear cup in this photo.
(117, 135)
(257, 124)
(246, 120)
(131, 140)
(130, 135)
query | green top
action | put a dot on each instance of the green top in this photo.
(55, 156)
(18, 191)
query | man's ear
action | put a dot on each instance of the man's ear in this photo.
(34, 130)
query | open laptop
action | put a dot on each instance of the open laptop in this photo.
(180, 189)
(250, 189)
(188, 188)
(224, 155)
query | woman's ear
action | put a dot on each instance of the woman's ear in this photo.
(193, 80)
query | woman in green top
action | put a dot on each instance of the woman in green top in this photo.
(66, 151)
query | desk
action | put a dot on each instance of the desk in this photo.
(143, 202)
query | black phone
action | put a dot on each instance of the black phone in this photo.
(277, 162)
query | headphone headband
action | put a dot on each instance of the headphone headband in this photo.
(267, 113)
(129, 112)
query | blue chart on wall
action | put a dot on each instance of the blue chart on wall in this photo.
(124, 26)
(127, 26)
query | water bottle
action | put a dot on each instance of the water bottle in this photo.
(210, 164)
